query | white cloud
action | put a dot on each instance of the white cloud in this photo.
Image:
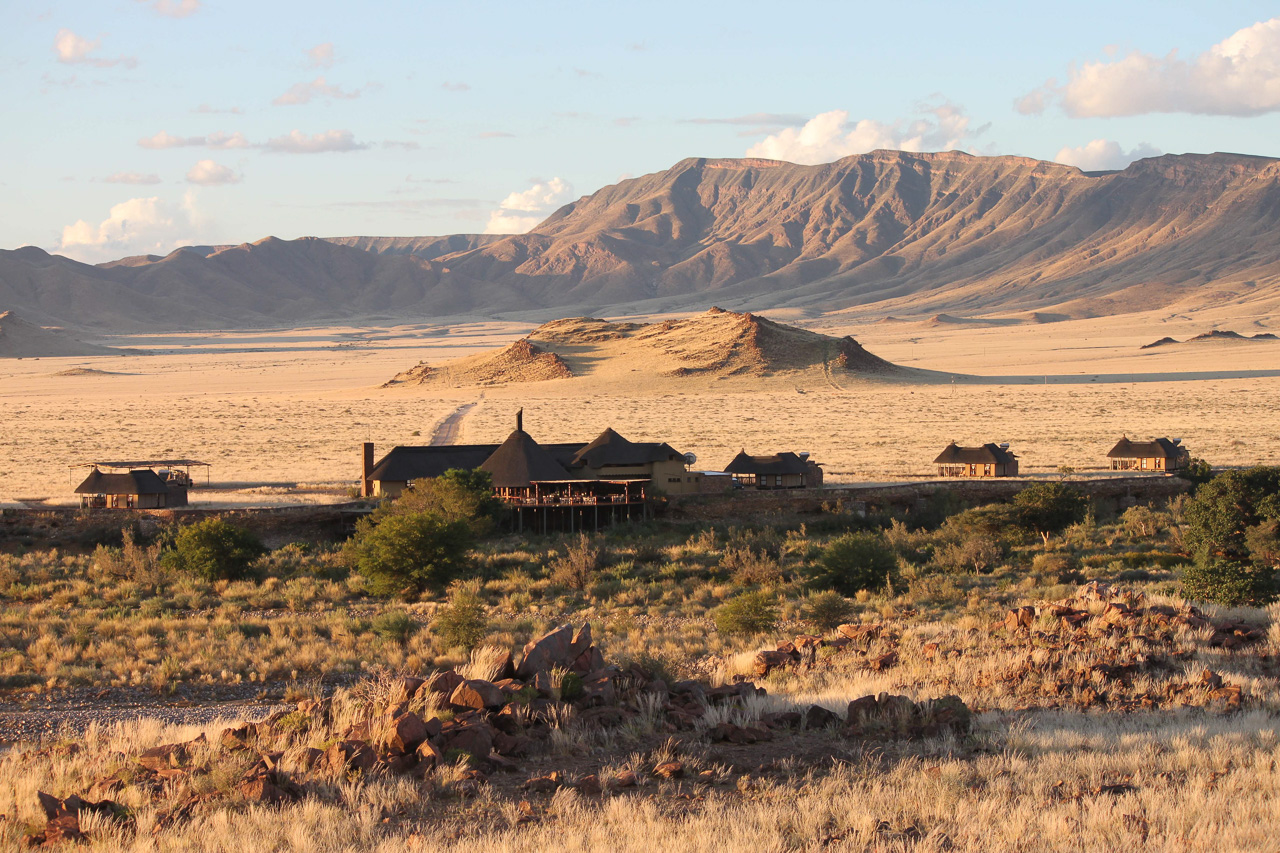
(1102, 155)
(208, 173)
(206, 108)
(321, 56)
(452, 86)
(132, 178)
(73, 49)
(298, 142)
(165, 139)
(521, 211)
(219, 139)
(830, 136)
(138, 226)
(174, 8)
(1238, 76)
(223, 141)
(302, 93)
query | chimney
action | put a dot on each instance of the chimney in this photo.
(520, 420)
(366, 484)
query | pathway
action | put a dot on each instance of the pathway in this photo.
(447, 431)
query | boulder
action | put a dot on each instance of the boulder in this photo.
(580, 643)
(350, 755)
(669, 769)
(550, 650)
(475, 739)
(445, 682)
(767, 661)
(478, 695)
(407, 731)
(818, 717)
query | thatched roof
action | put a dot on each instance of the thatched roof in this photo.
(610, 448)
(1157, 448)
(142, 482)
(987, 454)
(406, 463)
(520, 461)
(779, 463)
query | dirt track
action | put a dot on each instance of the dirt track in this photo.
(447, 432)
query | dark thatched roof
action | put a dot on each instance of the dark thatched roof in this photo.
(520, 461)
(610, 448)
(143, 482)
(779, 463)
(407, 463)
(1157, 448)
(987, 454)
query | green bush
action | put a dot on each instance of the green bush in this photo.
(1229, 582)
(749, 613)
(854, 562)
(407, 554)
(456, 495)
(462, 622)
(393, 625)
(1049, 508)
(825, 610)
(214, 550)
(579, 565)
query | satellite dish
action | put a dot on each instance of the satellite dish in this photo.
(690, 458)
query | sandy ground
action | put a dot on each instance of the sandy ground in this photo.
(281, 415)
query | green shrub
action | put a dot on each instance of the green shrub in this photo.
(854, 562)
(578, 567)
(456, 495)
(749, 568)
(393, 625)
(1049, 508)
(1229, 582)
(214, 550)
(463, 620)
(825, 610)
(407, 554)
(749, 613)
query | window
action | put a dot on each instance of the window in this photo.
(986, 470)
(777, 479)
(1144, 463)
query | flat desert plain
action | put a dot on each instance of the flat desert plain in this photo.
(280, 415)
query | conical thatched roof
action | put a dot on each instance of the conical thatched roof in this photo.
(520, 461)
(610, 448)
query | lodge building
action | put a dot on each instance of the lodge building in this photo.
(1162, 455)
(987, 460)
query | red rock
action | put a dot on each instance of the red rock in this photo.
(669, 770)
(589, 785)
(407, 731)
(444, 682)
(351, 755)
(580, 643)
(475, 740)
(767, 661)
(262, 790)
(624, 779)
(478, 695)
(550, 650)
(429, 756)
(167, 755)
(883, 661)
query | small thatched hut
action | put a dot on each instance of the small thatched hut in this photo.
(987, 460)
(1163, 455)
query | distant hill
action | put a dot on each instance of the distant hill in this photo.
(20, 339)
(715, 345)
(910, 234)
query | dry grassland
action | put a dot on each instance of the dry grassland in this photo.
(274, 410)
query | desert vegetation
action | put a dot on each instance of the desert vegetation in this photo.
(1111, 686)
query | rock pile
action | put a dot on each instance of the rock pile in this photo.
(420, 725)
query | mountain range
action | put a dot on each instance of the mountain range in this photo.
(888, 231)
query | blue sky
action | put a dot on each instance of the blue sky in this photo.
(134, 126)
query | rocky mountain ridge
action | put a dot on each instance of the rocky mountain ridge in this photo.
(889, 231)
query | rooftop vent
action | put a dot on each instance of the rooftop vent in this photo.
(1004, 445)
(803, 454)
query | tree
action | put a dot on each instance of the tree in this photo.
(1224, 508)
(456, 495)
(1230, 582)
(1049, 508)
(409, 553)
(214, 550)
(854, 562)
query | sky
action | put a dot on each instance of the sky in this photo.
(136, 126)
